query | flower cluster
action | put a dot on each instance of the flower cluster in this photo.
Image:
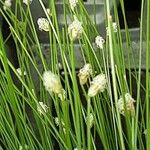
(42, 108)
(43, 24)
(97, 85)
(7, 4)
(126, 103)
(52, 82)
(75, 29)
(99, 42)
(85, 73)
(73, 4)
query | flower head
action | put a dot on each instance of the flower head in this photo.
(27, 2)
(85, 73)
(7, 4)
(43, 24)
(20, 72)
(126, 104)
(97, 85)
(52, 82)
(73, 4)
(42, 108)
(114, 26)
(99, 42)
(75, 29)
(57, 122)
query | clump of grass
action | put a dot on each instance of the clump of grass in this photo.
(49, 103)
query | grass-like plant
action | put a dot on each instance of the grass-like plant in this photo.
(54, 100)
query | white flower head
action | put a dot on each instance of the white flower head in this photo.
(43, 24)
(73, 4)
(126, 104)
(97, 85)
(7, 4)
(91, 119)
(114, 26)
(57, 122)
(42, 108)
(85, 73)
(20, 72)
(27, 2)
(52, 82)
(99, 42)
(75, 29)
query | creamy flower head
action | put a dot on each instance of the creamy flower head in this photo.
(97, 85)
(85, 73)
(43, 24)
(42, 108)
(73, 4)
(7, 4)
(75, 29)
(20, 72)
(126, 104)
(52, 82)
(99, 42)
(27, 2)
